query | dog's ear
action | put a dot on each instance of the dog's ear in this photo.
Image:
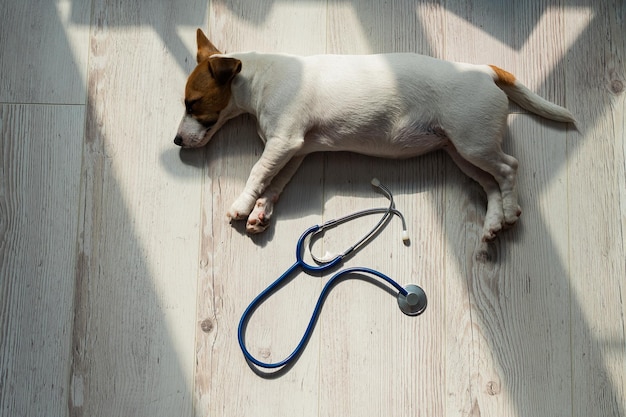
(205, 47)
(224, 69)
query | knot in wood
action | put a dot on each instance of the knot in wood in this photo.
(493, 388)
(207, 325)
(265, 353)
(617, 86)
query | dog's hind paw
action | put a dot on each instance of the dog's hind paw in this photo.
(511, 216)
(259, 219)
(491, 228)
(490, 234)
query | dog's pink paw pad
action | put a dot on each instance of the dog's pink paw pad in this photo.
(259, 219)
(255, 226)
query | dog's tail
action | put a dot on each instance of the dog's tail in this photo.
(520, 94)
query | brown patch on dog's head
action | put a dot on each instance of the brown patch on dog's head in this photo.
(207, 93)
(208, 87)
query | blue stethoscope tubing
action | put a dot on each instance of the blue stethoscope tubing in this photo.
(412, 299)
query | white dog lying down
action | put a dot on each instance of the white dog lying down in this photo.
(390, 105)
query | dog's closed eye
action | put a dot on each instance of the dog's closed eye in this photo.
(189, 105)
(196, 112)
(208, 123)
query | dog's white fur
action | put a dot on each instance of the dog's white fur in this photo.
(391, 105)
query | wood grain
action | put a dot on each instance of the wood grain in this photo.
(595, 80)
(136, 272)
(40, 160)
(45, 45)
(515, 296)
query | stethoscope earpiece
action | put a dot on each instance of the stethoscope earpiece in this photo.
(414, 302)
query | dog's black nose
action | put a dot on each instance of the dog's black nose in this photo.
(178, 140)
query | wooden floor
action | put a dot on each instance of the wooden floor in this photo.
(122, 282)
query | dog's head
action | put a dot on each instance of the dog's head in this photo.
(207, 94)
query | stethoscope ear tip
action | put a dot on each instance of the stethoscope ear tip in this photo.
(414, 302)
(375, 182)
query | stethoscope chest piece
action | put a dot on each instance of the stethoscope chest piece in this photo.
(414, 302)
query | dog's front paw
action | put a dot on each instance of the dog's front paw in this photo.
(234, 214)
(259, 219)
(240, 209)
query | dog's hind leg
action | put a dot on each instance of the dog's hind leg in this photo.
(489, 157)
(477, 136)
(494, 218)
(503, 168)
(261, 214)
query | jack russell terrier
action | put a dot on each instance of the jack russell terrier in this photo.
(389, 105)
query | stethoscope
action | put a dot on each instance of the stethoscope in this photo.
(411, 299)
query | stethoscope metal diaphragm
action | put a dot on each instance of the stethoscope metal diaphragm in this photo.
(414, 302)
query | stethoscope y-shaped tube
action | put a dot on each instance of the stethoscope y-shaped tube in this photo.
(388, 212)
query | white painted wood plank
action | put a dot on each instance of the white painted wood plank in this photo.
(369, 347)
(595, 82)
(136, 277)
(43, 58)
(514, 321)
(40, 160)
(377, 361)
(513, 294)
(236, 267)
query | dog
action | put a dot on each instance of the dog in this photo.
(388, 105)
